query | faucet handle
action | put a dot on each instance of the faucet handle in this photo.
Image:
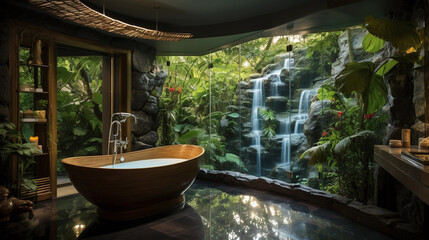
(126, 143)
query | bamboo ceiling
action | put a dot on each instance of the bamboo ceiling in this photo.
(76, 11)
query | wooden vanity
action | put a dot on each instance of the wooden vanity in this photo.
(412, 174)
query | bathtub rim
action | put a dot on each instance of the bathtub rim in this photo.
(72, 160)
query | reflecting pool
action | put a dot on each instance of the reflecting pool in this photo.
(212, 211)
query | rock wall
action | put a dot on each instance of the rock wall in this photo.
(4, 72)
(146, 89)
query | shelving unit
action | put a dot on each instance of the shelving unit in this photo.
(42, 173)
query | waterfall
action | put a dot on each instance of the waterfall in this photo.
(304, 102)
(300, 118)
(285, 124)
(258, 102)
(286, 150)
(275, 86)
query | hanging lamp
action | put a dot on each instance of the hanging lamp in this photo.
(77, 12)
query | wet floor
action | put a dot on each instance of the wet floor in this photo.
(212, 211)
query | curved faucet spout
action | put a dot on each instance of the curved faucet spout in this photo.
(120, 117)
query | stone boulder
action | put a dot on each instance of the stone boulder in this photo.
(143, 58)
(317, 119)
(280, 58)
(139, 99)
(143, 125)
(151, 106)
(141, 146)
(149, 138)
(277, 103)
(140, 81)
(270, 68)
(419, 94)
(358, 53)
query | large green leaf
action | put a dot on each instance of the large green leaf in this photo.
(233, 115)
(78, 131)
(374, 97)
(63, 74)
(318, 154)
(355, 77)
(412, 57)
(386, 67)
(401, 34)
(365, 137)
(98, 98)
(360, 77)
(372, 44)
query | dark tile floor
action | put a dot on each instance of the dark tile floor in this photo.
(212, 211)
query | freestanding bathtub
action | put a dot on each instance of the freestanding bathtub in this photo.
(148, 182)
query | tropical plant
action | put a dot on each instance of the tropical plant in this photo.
(269, 117)
(346, 146)
(216, 156)
(79, 107)
(41, 104)
(365, 78)
(11, 143)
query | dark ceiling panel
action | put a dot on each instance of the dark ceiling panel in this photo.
(217, 24)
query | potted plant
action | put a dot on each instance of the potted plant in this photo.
(41, 106)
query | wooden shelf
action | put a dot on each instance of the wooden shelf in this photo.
(33, 65)
(33, 120)
(42, 192)
(23, 91)
(40, 154)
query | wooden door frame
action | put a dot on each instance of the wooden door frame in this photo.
(123, 78)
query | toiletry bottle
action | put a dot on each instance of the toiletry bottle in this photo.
(406, 138)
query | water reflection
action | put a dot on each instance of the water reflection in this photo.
(212, 212)
(236, 215)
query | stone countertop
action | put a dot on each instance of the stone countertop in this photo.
(413, 175)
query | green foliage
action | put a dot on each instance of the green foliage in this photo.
(270, 121)
(344, 153)
(366, 79)
(360, 77)
(41, 104)
(186, 118)
(11, 143)
(372, 44)
(215, 156)
(79, 103)
(322, 49)
(401, 34)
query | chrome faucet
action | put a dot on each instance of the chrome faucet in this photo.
(121, 117)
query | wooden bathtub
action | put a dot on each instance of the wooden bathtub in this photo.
(133, 193)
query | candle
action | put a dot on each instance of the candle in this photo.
(34, 140)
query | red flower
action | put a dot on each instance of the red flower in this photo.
(340, 113)
(172, 89)
(179, 90)
(368, 116)
(333, 99)
(166, 87)
(324, 134)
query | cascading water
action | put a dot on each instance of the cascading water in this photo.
(300, 118)
(256, 126)
(286, 150)
(275, 84)
(285, 124)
